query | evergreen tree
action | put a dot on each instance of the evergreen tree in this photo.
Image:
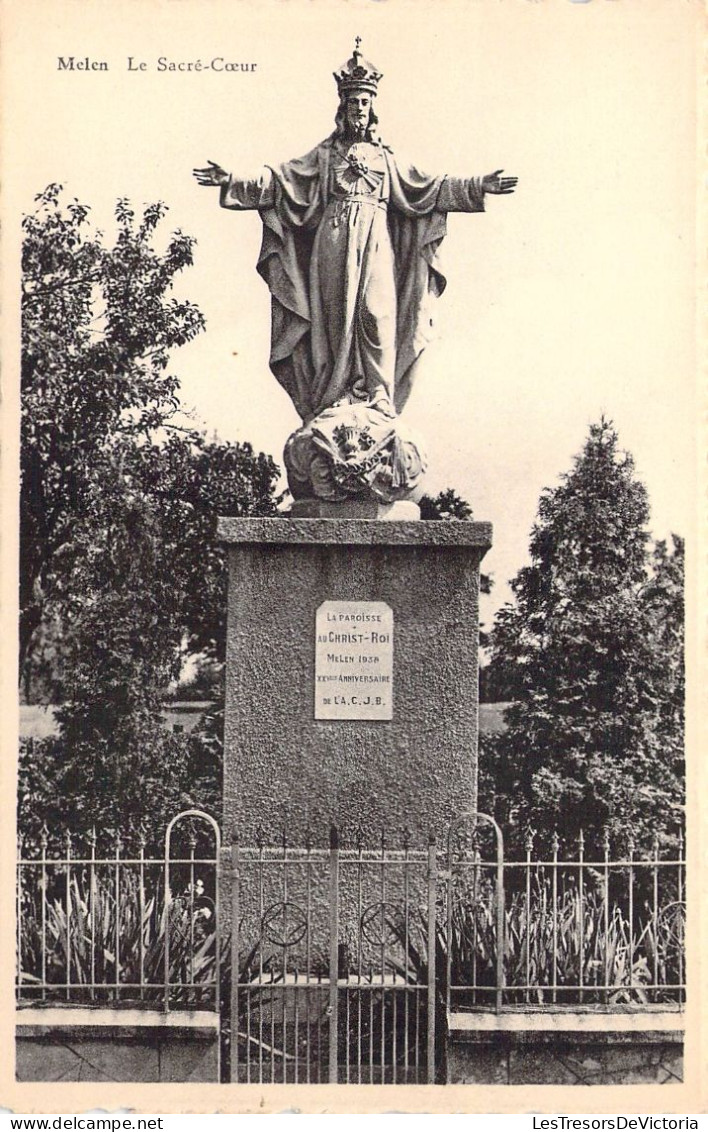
(591, 653)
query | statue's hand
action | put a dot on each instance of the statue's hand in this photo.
(213, 174)
(495, 183)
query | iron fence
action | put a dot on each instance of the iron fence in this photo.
(561, 929)
(344, 964)
(121, 927)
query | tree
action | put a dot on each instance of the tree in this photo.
(663, 599)
(445, 505)
(591, 652)
(191, 481)
(99, 421)
(122, 573)
(97, 329)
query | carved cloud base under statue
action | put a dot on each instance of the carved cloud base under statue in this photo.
(355, 449)
(352, 676)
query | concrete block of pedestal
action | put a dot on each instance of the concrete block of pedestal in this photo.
(284, 766)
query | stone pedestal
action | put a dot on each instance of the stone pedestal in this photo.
(282, 766)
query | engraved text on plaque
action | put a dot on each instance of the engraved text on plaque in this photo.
(354, 660)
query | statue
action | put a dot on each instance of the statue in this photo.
(350, 255)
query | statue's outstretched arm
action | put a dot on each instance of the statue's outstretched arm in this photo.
(239, 193)
(466, 194)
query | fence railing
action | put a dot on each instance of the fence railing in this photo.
(122, 927)
(561, 929)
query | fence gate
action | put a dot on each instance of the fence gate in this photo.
(333, 964)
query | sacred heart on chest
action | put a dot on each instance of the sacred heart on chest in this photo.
(359, 170)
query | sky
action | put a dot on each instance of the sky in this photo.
(570, 299)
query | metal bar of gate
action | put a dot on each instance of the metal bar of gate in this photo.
(333, 950)
(432, 902)
(235, 915)
(501, 915)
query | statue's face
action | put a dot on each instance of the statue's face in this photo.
(358, 110)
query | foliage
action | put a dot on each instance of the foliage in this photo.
(590, 652)
(103, 457)
(97, 329)
(571, 942)
(107, 785)
(191, 481)
(122, 574)
(111, 937)
(446, 505)
(560, 948)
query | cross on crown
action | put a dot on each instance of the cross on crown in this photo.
(357, 73)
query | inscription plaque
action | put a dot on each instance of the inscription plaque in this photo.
(354, 660)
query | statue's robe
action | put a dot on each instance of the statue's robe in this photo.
(316, 352)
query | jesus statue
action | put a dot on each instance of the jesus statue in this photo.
(350, 255)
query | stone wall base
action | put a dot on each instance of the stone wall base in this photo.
(81, 1044)
(548, 1049)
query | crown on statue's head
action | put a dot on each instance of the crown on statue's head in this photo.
(357, 74)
